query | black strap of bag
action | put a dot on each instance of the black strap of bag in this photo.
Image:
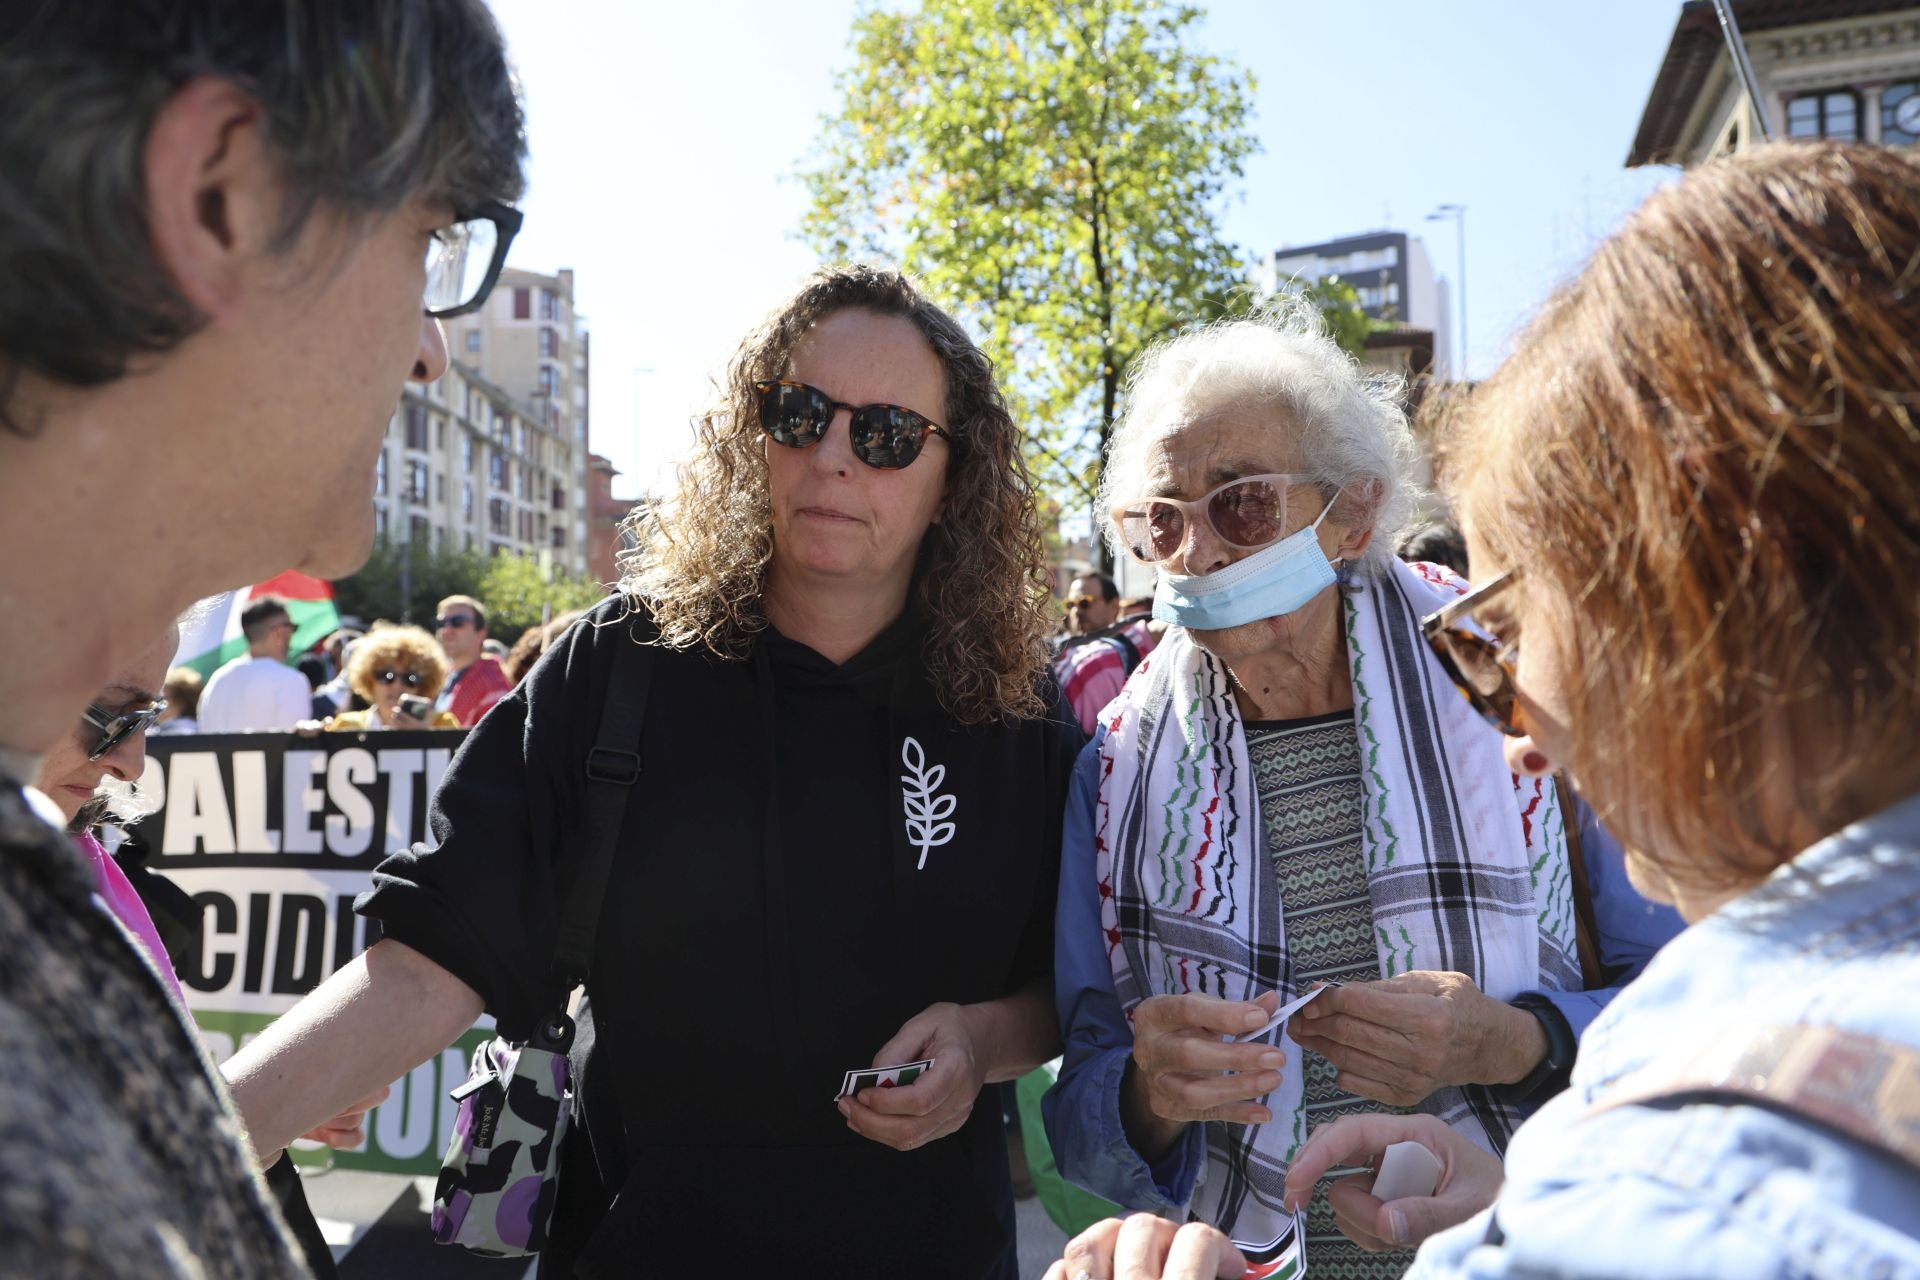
(612, 766)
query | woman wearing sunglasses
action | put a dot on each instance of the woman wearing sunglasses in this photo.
(388, 666)
(1290, 793)
(840, 850)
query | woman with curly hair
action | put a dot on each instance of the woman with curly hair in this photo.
(389, 665)
(839, 851)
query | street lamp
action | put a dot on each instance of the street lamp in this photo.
(1458, 212)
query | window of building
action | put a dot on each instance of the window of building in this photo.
(548, 343)
(501, 431)
(466, 501)
(549, 310)
(497, 470)
(469, 458)
(546, 379)
(520, 439)
(417, 528)
(473, 340)
(380, 474)
(416, 427)
(559, 536)
(380, 521)
(1834, 114)
(499, 517)
(417, 481)
(559, 498)
(522, 304)
(1900, 113)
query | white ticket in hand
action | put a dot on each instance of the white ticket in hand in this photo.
(1284, 1012)
(1406, 1170)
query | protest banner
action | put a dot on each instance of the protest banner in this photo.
(273, 836)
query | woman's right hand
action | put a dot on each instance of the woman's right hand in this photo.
(1469, 1180)
(1183, 1070)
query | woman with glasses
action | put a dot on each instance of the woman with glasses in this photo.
(1289, 794)
(839, 848)
(1694, 492)
(388, 666)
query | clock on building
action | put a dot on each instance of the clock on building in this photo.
(1906, 115)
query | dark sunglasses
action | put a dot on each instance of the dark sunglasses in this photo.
(1080, 602)
(453, 621)
(409, 678)
(115, 729)
(1475, 663)
(885, 436)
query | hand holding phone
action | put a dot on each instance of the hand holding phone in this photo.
(414, 705)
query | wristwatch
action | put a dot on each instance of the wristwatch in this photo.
(1549, 1076)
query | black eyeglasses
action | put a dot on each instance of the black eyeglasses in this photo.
(411, 679)
(453, 621)
(464, 260)
(115, 728)
(1479, 666)
(885, 436)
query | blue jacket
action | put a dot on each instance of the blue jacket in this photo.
(1707, 1189)
(1082, 1111)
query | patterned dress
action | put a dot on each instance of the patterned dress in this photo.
(1307, 775)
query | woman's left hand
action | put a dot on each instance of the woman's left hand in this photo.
(348, 1129)
(1400, 1039)
(1143, 1247)
(936, 1104)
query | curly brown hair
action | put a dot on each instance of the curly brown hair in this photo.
(398, 648)
(700, 558)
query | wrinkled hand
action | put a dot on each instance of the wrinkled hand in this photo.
(348, 1129)
(936, 1104)
(1188, 1073)
(1144, 1247)
(1400, 1039)
(1469, 1179)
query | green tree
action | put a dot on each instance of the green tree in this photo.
(1052, 169)
(516, 589)
(1339, 308)
(406, 581)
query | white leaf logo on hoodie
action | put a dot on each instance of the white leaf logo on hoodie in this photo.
(927, 809)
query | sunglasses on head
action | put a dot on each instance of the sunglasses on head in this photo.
(1247, 514)
(409, 678)
(453, 621)
(115, 728)
(1478, 665)
(885, 436)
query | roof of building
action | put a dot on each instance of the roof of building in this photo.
(1697, 45)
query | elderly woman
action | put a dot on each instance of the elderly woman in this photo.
(840, 851)
(1287, 794)
(385, 667)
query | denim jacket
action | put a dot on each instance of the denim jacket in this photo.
(1710, 1188)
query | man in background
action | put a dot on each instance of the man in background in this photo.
(478, 680)
(1100, 649)
(258, 692)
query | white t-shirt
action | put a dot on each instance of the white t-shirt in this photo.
(255, 695)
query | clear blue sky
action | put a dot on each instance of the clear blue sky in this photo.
(665, 136)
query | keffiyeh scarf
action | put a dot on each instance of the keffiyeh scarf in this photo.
(1466, 864)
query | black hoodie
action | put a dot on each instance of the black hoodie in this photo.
(789, 889)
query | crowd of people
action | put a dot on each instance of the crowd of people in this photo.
(1597, 876)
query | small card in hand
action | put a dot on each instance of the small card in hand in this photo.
(895, 1077)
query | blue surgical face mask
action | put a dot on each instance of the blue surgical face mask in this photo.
(1270, 583)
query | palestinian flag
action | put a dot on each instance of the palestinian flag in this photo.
(215, 639)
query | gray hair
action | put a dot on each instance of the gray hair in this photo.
(367, 103)
(1347, 423)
